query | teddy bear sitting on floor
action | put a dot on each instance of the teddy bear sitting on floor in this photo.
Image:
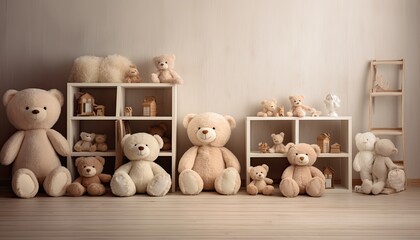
(91, 177)
(260, 182)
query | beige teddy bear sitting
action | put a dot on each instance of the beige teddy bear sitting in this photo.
(86, 143)
(301, 177)
(100, 142)
(260, 181)
(299, 109)
(278, 146)
(270, 109)
(133, 75)
(166, 73)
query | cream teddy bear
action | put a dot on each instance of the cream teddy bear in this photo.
(260, 182)
(278, 146)
(33, 148)
(209, 165)
(299, 109)
(141, 174)
(301, 177)
(270, 109)
(86, 143)
(166, 73)
(363, 161)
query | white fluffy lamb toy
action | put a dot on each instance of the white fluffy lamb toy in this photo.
(92, 69)
(141, 174)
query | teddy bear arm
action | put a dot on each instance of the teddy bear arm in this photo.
(157, 169)
(124, 168)
(268, 180)
(230, 159)
(390, 164)
(78, 180)
(187, 160)
(315, 172)
(155, 77)
(11, 148)
(288, 172)
(176, 77)
(104, 177)
(59, 143)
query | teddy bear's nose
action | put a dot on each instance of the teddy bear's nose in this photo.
(302, 158)
(35, 111)
(162, 64)
(88, 170)
(205, 131)
(141, 148)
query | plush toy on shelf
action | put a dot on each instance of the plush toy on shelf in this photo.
(209, 165)
(278, 146)
(161, 129)
(270, 109)
(382, 164)
(86, 143)
(33, 148)
(91, 177)
(301, 177)
(133, 75)
(363, 161)
(299, 109)
(141, 174)
(332, 102)
(165, 70)
(263, 147)
(260, 182)
(100, 142)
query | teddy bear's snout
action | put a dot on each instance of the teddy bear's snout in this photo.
(141, 148)
(205, 131)
(302, 158)
(88, 170)
(35, 111)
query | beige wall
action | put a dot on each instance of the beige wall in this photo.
(231, 54)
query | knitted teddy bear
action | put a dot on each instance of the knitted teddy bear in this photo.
(91, 177)
(260, 181)
(299, 109)
(86, 143)
(165, 70)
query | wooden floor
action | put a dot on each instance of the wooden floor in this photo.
(212, 216)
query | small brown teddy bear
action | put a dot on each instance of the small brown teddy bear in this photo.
(299, 109)
(160, 130)
(165, 74)
(100, 142)
(278, 146)
(260, 182)
(133, 75)
(270, 109)
(86, 143)
(91, 177)
(263, 147)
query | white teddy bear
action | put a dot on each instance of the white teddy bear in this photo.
(141, 174)
(363, 162)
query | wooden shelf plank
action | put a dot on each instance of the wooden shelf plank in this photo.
(387, 131)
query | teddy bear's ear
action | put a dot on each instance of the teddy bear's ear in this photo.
(159, 140)
(289, 145)
(172, 56)
(187, 119)
(250, 168)
(101, 160)
(290, 98)
(274, 100)
(265, 167)
(78, 160)
(124, 139)
(57, 94)
(8, 95)
(231, 121)
(316, 148)
(282, 134)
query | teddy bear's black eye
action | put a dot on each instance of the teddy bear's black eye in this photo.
(199, 128)
(45, 108)
(84, 166)
(27, 108)
(166, 61)
(214, 128)
(147, 145)
(93, 166)
(297, 154)
(307, 155)
(135, 145)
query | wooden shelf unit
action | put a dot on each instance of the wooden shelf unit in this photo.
(115, 97)
(301, 130)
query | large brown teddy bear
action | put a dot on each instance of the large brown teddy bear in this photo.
(208, 164)
(91, 177)
(301, 177)
(33, 148)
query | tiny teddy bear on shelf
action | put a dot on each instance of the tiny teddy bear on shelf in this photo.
(166, 73)
(100, 142)
(332, 102)
(86, 143)
(278, 146)
(270, 109)
(299, 109)
(133, 75)
(263, 147)
(260, 182)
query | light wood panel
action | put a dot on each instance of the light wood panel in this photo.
(212, 216)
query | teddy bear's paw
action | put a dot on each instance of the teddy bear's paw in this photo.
(289, 187)
(154, 77)
(366, 187)
(190, 182)
(252, 190)
(228, 183)
(378, 187)
(75, 189)
(159, 186)
(315, 187)
(122, 185)
(55, 184)
(268, 190)
(96, 189)
(24, 183)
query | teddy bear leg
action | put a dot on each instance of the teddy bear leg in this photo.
(122, 185)
(155, 78)
(268, 190)
(76, 189)
(289, 187)
(159, 186)
(96, 189)
(24, 183)
(190, 182)
(367, 186)
(229, 182)
(251, 189)
(378, 187)
(55, 184)
(315, 187)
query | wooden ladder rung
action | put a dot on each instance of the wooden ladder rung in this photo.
(383, 62)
